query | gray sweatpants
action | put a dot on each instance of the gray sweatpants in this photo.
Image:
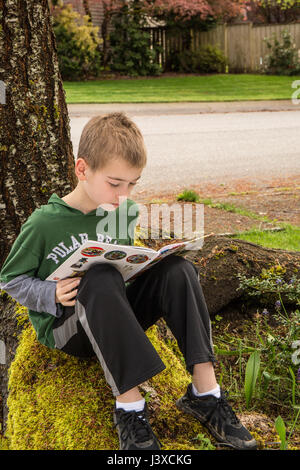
(109, 320)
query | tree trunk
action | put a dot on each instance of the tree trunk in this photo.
(36, 150)
(36, 155)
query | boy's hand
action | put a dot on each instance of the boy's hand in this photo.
(66, 290)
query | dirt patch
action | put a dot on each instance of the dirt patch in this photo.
(262, 428)
(277, 199)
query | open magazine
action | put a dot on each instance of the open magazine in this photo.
(130, 260)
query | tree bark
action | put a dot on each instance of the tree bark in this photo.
(35, 147)
(36, 155)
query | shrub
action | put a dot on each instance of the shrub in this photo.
(130, 44)
(77, 44)
(207, 59)
(284, 57)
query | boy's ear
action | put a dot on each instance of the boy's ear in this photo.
(80, 168)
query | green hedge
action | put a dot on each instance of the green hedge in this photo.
(207, 59)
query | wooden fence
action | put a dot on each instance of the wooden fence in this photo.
(242, 44)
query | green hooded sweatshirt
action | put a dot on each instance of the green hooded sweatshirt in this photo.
(48, 237)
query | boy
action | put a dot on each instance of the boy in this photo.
(100, 314)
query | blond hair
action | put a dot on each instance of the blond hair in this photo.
(109, 137)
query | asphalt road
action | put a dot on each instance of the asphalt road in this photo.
(190, 145)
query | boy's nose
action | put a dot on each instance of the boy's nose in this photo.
(124, 193)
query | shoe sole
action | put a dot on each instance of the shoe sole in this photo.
(251, 446)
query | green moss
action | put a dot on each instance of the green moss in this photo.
(276, 270)
(3, 443)
(44, 109)
(21, 314)
(233, 248)
(55, 402)
(219, 254)
(61, 402)
(56, 111)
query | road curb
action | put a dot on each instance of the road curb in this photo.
(90, 109)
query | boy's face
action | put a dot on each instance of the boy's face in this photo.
(116, 180)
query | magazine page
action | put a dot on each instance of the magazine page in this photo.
(187, 245)
(127, 259)
(130, 260)
(172, 248)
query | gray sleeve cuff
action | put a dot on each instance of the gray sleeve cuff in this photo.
(35, 294)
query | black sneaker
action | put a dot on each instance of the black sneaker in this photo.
(134, 430)
(219, 418)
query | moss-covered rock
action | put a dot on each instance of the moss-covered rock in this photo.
(60, 402)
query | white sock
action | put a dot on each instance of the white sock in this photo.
(132, 406)
(215, 391)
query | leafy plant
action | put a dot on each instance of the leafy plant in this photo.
(270, 286)
(280, 428)
(252, 369)
(131, 53)
(283, 58)
(204, 442)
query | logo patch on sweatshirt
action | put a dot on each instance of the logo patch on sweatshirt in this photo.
(63, 249)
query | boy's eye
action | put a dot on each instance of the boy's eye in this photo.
(115, 185)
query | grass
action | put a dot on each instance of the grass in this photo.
(287, 239)
(232, 208)
(188, 195)
(191, 88)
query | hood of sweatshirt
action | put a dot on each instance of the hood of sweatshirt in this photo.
(55, 199)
